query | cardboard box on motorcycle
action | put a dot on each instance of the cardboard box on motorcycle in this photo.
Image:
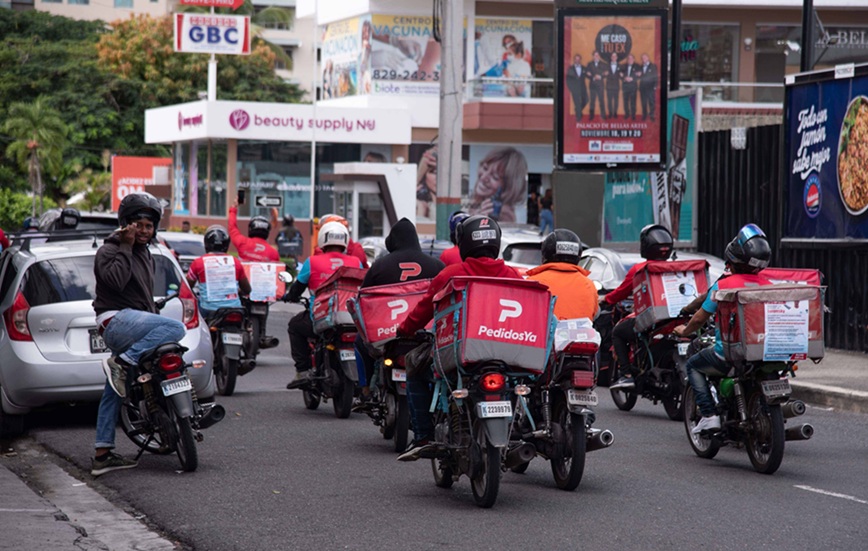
(662, 288)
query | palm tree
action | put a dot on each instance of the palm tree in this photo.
(39, 139)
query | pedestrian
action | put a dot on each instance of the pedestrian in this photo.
(546, 214)
(185, 226)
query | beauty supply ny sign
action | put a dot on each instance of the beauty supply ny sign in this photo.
(201, 33)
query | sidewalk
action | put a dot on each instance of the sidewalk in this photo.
(839, 381)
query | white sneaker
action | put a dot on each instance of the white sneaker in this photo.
(707, 423)
(624, 383)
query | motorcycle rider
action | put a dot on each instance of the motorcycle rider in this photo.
(289, 241)
(560, 272)
(479, 244)
(332, 241)
(655, 243)
(126, 315)
(404, 262)
(221, 265)
(354, 248)
(747, 254)
(452, 255)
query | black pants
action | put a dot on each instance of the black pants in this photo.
(630, 103)
(649, 102)
(419, 397)
(364, 362)
(300, 331)
(622, 336)
(597, 97)
(612, 96)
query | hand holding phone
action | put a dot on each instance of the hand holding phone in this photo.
(242, 196)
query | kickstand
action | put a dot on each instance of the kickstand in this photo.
(143, 446)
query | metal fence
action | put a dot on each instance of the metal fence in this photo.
(737, 186)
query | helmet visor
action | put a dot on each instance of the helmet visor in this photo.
(748, 232)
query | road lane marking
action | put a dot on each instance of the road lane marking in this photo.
(832, 494)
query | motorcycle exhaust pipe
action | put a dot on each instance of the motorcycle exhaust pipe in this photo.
(793, 408)
(800, 432)
(212, 415)
(598, 439)
(246, 367)
(519, 455)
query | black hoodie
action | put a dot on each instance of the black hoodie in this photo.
(405, 261)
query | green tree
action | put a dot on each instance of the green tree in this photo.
(39, 138)
(15, 207)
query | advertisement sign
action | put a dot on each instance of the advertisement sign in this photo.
(826, 156)
(230, 4)
(341, 50)
(502, 50)
(400, 55)
(627, 206)
(201, 33)
(134, 174)
(497, 184)
(612, 82)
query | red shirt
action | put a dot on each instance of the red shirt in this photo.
(250, 249)
(197, 268)
(323, 265)
(4, 242)
(424, 311)
(625, 289)
(451, 256)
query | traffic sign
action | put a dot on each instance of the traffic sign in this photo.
(232, 4)
(268, 201)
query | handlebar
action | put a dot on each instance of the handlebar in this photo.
(160, 304)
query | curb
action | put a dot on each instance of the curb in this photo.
(855, 401)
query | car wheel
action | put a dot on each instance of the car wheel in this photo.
(11, 425)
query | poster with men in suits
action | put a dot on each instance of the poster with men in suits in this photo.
(612, 97)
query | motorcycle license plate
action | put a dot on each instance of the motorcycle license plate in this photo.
(97, 345)
(348, 355)
(582, 397)
(232, 338)
(776, 389)
(399, 375)
(487, 410)
(258, 309)
(682, 348)
(175, 386)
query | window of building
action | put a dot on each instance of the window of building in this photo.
(49, 2)
(80, 2)
(123, 3)
(284, 64)
(709, 54)
(273, 22)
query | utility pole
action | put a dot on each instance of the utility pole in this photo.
(807, 58)
(675, 66)
(451, 114)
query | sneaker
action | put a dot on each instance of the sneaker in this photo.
(707, 423)
(116, 373)
(624, 383)
(414, 449)
(301, 378)
(110, 462)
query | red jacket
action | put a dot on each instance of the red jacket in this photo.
(424, 311)
(250, 249)
(451, 256)
(625, 289)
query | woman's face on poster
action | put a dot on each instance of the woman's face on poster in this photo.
(489, 180)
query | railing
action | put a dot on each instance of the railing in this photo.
(742, 92)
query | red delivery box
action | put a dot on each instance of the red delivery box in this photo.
(330, 301)
(661, 289)
(377, 311)
(781, 322)
(488, 318)
(802, 276)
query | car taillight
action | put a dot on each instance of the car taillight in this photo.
(348, 337)
(583, 379)
(233, 317)
(171, 362)
(16, 319)
(191, 311)
(492, 382)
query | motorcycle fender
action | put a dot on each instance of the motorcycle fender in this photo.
(581, 410)
(232, 351)
(350, 370)
(183, 404)
(497, 430)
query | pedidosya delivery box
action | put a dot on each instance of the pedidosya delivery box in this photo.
(330, 302)
(377, 311)
(662, 288)
(487, 318)
(781, 322)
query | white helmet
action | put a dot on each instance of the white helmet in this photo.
(333, 234)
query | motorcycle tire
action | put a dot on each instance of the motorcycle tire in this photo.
(703, 446)
(134, 427)
(311, 399)
(443, 477)
(188, 454)
(766, 438)
(255, 336)
(672, 404)
(226, 375)
(402, 425)
(390, 419)
(624, 400)
(343, 399)
(486, 480)
(568, 464)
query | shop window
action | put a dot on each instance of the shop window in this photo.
(123, 3)
(709, 54)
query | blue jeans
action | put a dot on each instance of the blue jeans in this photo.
(129, 335)
(546, 220)
(698, 366)
(419, 396)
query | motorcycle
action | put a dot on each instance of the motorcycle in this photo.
(605, 322)
(230, 338)
(160, 412)
(553, 417)
(257, 315)
(387, 406)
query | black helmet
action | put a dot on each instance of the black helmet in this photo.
(749, 252)
(478, 236)
(138, 205)
(259, 226)
(288, 220)
(655, 242)
(561, 246)
(69, 219)
(454, 220)
(216, 239)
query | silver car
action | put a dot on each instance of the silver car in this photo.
(187, 247)
(50, 351)
(609, 267)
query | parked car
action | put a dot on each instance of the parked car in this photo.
(50, 348)
(609, 267)
(97, 221)
(187, 247)
(375, 247)
(520, 246)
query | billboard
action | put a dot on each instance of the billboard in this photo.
(341, 49)
(611, 87)
(826, 155)
(134, 174)
(199, 33)
(502, 50)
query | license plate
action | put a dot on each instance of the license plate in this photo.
(399, 375)
(488, 410)
(348, 355)
(174, 386)
(582, 397)
(258, 309)
(97, 345)
(232, 338)
(682, 348)
(775, 389)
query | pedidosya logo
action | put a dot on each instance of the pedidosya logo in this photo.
(239, 119)
(813, 198)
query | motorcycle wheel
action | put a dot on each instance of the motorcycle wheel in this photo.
(766, 438)
(703, 446)
(226, 376)
(343, 399)
(568, 464)
(311, 399)
(486, 483)
(188, 454)
(624, 400)
(672, 404)
(133, 426)
(402, 425)
(255, 336)
(391, 418)
(442, 474)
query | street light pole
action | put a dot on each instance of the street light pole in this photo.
(807, 59)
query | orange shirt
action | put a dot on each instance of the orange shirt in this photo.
(577, 296)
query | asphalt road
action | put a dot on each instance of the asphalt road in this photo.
(274, 475)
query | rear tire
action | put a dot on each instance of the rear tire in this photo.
(343, 399)
(311, 399)
(568, 465)
(131, 423)
(226, 376)
(703, 446)
(766, 439)
(188, 454)
(402, 425)
(672, 404)
(486, 483)
(255, 336)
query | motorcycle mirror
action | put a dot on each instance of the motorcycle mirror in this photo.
(285, 277)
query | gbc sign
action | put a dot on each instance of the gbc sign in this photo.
(212, 34)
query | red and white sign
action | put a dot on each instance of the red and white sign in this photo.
(231, 4)
(200, 33)
(382, 308)
(133, 174)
